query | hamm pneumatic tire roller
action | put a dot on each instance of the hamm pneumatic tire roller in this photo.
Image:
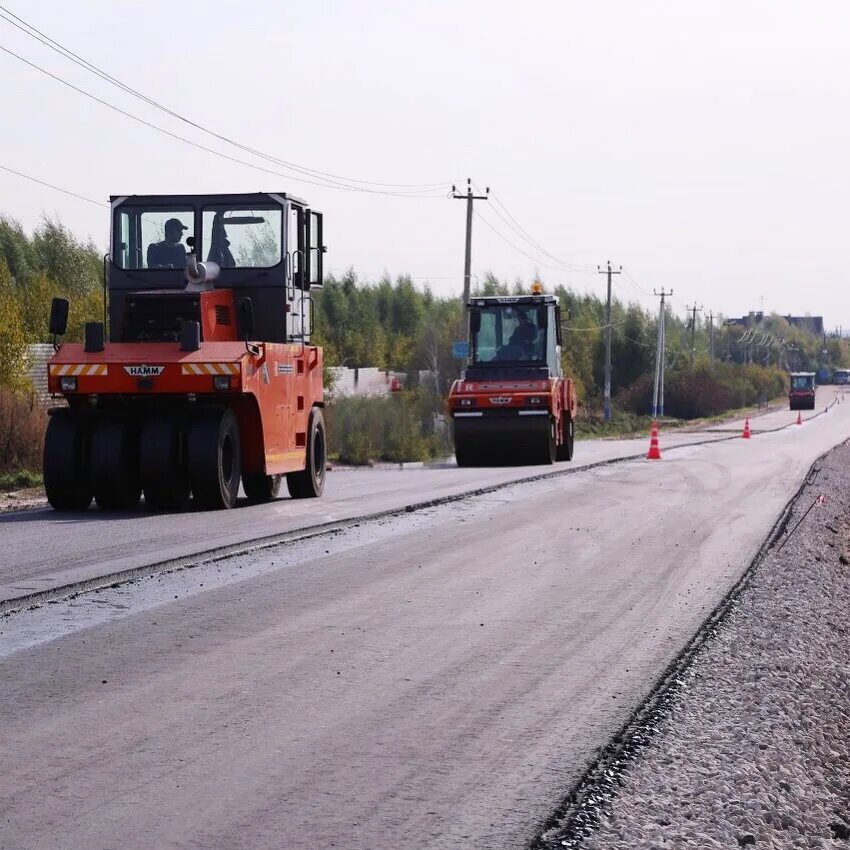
(208, 378)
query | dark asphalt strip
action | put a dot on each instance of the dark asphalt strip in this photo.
(113, 579)
(586, 802)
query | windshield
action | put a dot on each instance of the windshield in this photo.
(802, 382)
(508, 334)
(153, 238)
(238, 237)
(233, 236)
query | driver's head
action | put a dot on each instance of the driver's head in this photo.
(522, 316)
(174, 230)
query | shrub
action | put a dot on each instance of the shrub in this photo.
(22, 425)
(706, 390)
(361, 430)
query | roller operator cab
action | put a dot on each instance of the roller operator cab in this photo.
(801, 394)
(513, 403)
(207, 376)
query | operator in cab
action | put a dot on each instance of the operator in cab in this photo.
(524, 333)
(171, 252)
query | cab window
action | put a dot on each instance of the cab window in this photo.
(241, 237)
(152, 238)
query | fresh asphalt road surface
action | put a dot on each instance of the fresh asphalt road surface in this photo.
(43, 550)
(434, 680)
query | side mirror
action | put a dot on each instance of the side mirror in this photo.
(58, 316)
(475, 321)
(246, 318)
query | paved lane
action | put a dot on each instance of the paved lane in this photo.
(43, 549)
(437, 680)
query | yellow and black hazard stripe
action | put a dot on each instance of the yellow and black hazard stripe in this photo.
(210, 368)
(59, 370)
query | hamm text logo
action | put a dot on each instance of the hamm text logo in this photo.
(144, 371)
(500, 399)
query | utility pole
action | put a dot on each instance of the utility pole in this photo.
(693, 311)
(469, 197)
(659, 355)
(609, 270)
(711, 336)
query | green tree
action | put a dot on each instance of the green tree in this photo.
(13, 341)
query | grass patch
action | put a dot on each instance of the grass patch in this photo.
(20, 480)
(591, 424)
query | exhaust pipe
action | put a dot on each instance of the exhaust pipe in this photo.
(199, 274)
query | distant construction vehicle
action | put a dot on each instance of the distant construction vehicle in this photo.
(513, 404)
(208, 377)
(801, 393)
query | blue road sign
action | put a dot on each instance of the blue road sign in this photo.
(460, 350)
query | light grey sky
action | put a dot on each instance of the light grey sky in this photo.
(703, 146)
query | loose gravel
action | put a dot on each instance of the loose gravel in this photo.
(754, 747)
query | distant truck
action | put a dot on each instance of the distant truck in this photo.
(513, 403)
(841, 377)
(801, 394)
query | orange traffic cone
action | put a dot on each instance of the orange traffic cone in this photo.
(654, 451)
(799, 418)
(746, 435)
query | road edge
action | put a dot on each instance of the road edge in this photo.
(576, 815)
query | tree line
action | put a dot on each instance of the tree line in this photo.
(393, 324)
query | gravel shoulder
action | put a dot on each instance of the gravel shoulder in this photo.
(752, 747)
(26, 499)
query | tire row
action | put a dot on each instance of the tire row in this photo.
(167, 458)
(480, 450)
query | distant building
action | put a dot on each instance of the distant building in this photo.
(812, 324)
(365, 381)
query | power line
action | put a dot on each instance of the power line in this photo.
(51, 186)
(57, 47)
(381, 275)
(198, 145)
(636, 285)
(528, 238)
(516, 247)
(587, 330)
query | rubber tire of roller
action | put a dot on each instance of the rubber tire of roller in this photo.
(114, 465)
(65, 462)
(310, 482)
(548, 450)
(467, 454)
(162, 464)
(261, 488)
(214, 459)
